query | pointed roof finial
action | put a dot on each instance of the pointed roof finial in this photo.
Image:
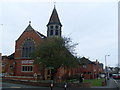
(54, 4)
(29, 28)
(29, 22)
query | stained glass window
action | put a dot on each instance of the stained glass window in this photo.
(27, 48)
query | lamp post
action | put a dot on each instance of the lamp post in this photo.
(51, 85)
(106, 72)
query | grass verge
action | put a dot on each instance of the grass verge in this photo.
(95, 82)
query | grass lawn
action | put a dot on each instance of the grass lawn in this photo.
(95, 82)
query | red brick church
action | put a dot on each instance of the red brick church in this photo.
(19, 65)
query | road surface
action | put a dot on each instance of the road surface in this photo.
(11, 86)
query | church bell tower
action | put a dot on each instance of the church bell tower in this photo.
(54, 25)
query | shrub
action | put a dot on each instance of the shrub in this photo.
(75, 77)
(3, 71)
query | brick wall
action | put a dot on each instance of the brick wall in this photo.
(23, 37)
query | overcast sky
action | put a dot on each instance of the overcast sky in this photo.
(94, 25)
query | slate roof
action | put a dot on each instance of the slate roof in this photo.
(54, 19)
(29, 28)
(41, 35)
(11, 56)
(4, 57)
(85, 61)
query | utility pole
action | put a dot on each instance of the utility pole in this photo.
(106, 71)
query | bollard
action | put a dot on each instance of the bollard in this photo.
(51, 86)
(65, 86)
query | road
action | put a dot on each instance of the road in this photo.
(11, 86)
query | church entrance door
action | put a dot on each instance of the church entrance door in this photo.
(49, 73)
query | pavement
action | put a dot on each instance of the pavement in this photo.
(111, 83)
(117, 83)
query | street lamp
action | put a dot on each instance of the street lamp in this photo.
(106, 72)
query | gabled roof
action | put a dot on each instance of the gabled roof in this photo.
(29, 28)
(85, 61)
(54, 19)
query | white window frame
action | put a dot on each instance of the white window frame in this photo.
(84, 66)
(26, 66)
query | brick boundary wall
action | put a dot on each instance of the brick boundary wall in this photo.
(24, 78)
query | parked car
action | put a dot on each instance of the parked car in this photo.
(102, 75)
(2, 75)
(116, 76)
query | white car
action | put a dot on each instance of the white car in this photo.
(2, 74)
(102, 75)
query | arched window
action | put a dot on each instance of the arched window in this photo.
(27, 48)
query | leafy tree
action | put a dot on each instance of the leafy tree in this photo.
(56, 52)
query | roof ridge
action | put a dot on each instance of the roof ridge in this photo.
(41, 35)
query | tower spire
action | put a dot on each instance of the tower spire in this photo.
(54, 4)
(54, 25)
(54, 18)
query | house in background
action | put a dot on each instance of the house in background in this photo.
(90, 69)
